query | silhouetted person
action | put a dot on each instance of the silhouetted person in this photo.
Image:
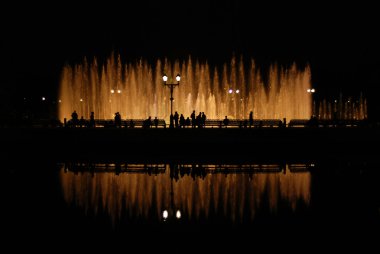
(313, 122)
(198, 120)
(176, 117)
(250, 119)
(193, 119)
(155, 122)
(182, 121)
(187, 122)
(203, 119)
(74, 118)
(117, 119)
(147, 123)
(226, 121)
(171, 121)
(92, 120)
(81, 122)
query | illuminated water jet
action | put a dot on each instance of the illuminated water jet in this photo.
(140, 92)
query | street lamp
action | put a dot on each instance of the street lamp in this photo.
(172, 85)
(312, 91)
(232, 91)
(114, 91)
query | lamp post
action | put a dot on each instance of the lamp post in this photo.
(171, 86)
(231, 92)
(116, 103)
(312, 91)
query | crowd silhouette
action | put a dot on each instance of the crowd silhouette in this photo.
(178, 121)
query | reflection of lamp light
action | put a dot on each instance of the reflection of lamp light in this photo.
(165, 214)
(178, 214)
(171, 212)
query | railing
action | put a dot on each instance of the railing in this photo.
(220, 123)
(243, 123)
(326, 123)
(110, 123)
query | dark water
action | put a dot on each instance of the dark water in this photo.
(92, 199)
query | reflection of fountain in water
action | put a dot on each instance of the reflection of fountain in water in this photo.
(87, 87)
(236, 197)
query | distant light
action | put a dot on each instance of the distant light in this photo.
(178, 77)
(230, 91)
(335, 101)
(165, 78)
(312, 164)
(81, 100)
(24, 98)
(238, 91)
(178, 214)
(118, 91)
(348, 101)
(165, 214)
(59, 101)
(308, 90)
(43, 98)
(112, 91)
(312, 90)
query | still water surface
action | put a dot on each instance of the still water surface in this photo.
(101, 198)
(231, 193)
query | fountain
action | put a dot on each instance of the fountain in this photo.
(136, 90)
(348, 108)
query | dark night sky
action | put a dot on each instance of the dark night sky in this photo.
(338, 41)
